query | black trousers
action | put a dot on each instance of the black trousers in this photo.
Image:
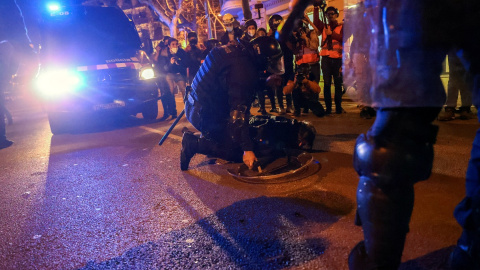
(331, 69)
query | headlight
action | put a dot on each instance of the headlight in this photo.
(147, 73)
(57, 82)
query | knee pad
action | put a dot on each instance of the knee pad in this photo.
(398, 153)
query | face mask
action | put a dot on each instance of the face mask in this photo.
(251, 33)
(174, 50)
(229, 28)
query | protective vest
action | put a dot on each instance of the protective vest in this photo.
(305, 55)
(336, 49)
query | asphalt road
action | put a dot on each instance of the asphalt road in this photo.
(111, 198)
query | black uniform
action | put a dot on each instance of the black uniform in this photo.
(222, 92)
(219, 106)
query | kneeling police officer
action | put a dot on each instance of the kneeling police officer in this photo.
(222, 92)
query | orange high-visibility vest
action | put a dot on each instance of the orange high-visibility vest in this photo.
(337, 49)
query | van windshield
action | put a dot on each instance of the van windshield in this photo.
(88, 34)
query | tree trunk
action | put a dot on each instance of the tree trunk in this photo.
(247, 14)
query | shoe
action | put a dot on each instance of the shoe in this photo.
(460, 259)
(367, 113)
(289, 109)
(164, 117)
(174, 116)
(358, 259)
(297, 114)
(189, 149)
(274, 110)
(281, 111)
(5, 143)
(340, 111)
(328, 112)
(465, 113)
(263, 112)
(305, 111)
(447, 115)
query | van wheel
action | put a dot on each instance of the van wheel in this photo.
(150, 110)
(58, 123)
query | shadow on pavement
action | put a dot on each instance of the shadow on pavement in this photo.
(437, 259)
(259, 233)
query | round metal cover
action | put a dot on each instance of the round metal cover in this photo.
(298, 165)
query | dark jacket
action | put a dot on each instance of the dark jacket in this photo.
(180, 66)
(227, 80)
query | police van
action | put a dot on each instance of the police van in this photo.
(92, 62)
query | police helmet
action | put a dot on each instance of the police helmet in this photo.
(250, 22)
(228, 18)
(268, 54)
(306, 135)
(331, 8)
(274, 21)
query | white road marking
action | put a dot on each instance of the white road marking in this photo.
(162, 132)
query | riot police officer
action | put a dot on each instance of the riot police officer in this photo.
(222, 92)
(408, 42)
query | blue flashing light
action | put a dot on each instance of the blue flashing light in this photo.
(53, 7)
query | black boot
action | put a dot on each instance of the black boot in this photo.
(384, 217)
(189, 149)
(466, 254)
(396, 153)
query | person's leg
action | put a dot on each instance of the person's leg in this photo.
(327, 83)
(170, 78)
(4, 142)
(279, 92)
(181, 84)
(218, 146)
(288, 98)
(467, 253)
(261, 100)
(393, 155)
(466, 97)
(315, 106)
(297, 101)
(338, 82)
(165, 92)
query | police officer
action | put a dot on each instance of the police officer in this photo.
(397, 152)
(222, 92)
(14, 45)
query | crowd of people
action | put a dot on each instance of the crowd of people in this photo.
(289, 93)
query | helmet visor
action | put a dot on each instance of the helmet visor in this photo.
(276, 66)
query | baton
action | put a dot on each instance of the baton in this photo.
(187, 90)
(171, 127)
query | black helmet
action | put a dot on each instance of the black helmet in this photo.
(250, 22)
(334, 9)
(192, 34)
(306, 135)
(274, 21)
(269, 54)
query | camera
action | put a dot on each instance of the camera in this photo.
(300, 77)
(320, 3)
